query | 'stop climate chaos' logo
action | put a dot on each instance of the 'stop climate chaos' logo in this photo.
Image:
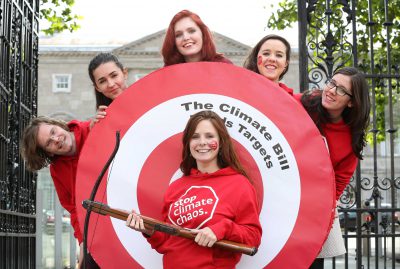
(194, 208)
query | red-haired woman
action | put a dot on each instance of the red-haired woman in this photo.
(188, 39)
(212, 173)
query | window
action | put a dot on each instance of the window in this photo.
(62, 82)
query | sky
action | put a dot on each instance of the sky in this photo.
(115, 22)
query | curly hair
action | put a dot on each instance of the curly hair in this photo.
(35, 156)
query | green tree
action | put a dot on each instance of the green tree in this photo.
(59, 15)
(384, 29)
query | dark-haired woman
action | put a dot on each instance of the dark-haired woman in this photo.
(109, 78)
(270, 58)
(214, 199)
(188, 39)
(341, 113)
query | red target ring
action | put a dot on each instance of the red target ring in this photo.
(151, 115)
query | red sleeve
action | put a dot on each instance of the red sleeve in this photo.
(344, 170)
(75, 224)
(298, 96)
(67, 201)
(63, 173)
(157, 239)
(85, 127)
(246, 227)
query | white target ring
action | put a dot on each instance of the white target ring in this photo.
(123, 180)
(151, 116)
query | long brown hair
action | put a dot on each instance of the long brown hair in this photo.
(356, 116)
(35, 157)
(226, 155)
(169, 50)
(251, 60)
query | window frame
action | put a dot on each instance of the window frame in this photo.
(56, 82)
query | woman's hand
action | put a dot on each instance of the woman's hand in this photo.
(205, 237)
(100, 114)
(135, 222)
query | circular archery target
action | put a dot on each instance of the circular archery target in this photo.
(275, 139)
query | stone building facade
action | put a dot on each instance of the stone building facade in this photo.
(66, 92)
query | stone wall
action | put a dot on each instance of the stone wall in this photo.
(141, 57)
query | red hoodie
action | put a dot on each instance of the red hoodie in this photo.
(63, 171)
(344, 161)
(286, 88)
(224, 201)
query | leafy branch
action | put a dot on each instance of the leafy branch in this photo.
(59, 15)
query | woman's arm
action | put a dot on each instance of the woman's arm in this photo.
(246, 227)
(344, 170)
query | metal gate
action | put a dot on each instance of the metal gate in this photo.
(365, 35)
(18, 103)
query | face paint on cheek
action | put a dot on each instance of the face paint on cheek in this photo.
(259, 60)
(213, 145)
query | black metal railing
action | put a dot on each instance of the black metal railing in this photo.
(18, 103)
(338, 33)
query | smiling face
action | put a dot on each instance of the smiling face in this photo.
(204, 146)
(110, 80)
(333, 102)
(55, 140)
(272, 59)
(188, 39)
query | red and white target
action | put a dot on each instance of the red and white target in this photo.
(275, 138)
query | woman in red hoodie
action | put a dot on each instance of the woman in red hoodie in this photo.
(270, 58)
(214, 199)
(341, 113)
